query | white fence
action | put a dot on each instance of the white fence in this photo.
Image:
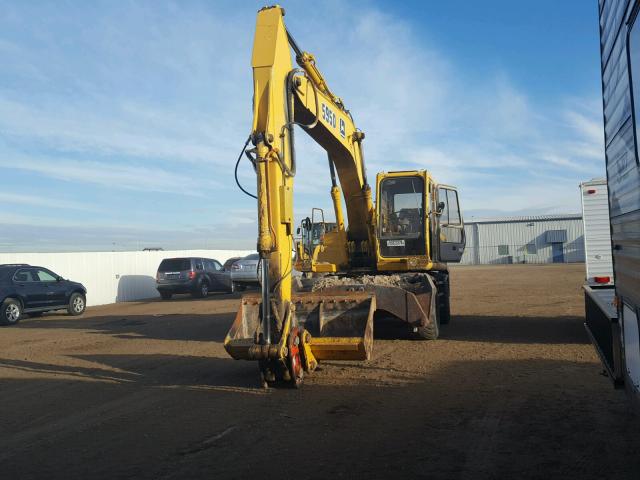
(112, 277)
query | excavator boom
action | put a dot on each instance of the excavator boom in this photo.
(289, 335)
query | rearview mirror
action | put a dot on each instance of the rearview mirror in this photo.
(440, 207)
(298, 231)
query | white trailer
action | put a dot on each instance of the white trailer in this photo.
(601, 317)
(612, 318)
(597, 232)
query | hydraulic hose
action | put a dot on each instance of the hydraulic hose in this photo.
(236, 169)
(291, 172)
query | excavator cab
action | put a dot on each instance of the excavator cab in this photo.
(312, 231)
(419, 222)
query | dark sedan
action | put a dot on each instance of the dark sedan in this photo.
(25, 289)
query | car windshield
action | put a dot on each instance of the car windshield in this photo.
(175, 265)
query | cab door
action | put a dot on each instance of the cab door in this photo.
(451, 236)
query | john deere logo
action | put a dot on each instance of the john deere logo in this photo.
(342, 128)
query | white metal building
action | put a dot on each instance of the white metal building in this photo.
(112, 277)
(534, 239)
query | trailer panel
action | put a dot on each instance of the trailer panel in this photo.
(620, 68)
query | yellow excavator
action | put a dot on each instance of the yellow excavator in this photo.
(387, 260)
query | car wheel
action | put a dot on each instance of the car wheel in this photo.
(77, 304)
(11, 312)
(202, 291)
(166, 295)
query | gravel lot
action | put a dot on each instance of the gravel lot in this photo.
(513, 389)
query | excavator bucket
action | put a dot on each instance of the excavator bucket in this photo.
(409, 297)
(340, 326)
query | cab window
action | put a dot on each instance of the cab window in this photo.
(454, 208)
(401, 207)
(401, 213)
(450, 211)
(443, 206)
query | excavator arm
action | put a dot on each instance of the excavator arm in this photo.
(336, 132)
(285, 97)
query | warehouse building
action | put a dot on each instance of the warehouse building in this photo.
(534, 239)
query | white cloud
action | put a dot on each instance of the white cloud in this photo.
(484, 134)
(44, 201)
(137, 178)
(156, 136)
(151, 97)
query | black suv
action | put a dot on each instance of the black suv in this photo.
(35, 290)
(197, 276)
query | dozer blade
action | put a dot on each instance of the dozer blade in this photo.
(341, 326)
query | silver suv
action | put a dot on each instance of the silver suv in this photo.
(244, 272)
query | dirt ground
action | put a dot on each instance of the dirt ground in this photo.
(145, 390)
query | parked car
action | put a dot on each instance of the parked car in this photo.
(244, 272)
(229, 263)
(197, 276)
(25, 289)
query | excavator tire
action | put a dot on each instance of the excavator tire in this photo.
(443, 304)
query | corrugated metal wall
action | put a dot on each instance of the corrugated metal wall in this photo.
(523, 242)
(623, 164)
(619, 31)
(113, 276)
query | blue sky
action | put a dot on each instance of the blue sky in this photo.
(120, 122)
